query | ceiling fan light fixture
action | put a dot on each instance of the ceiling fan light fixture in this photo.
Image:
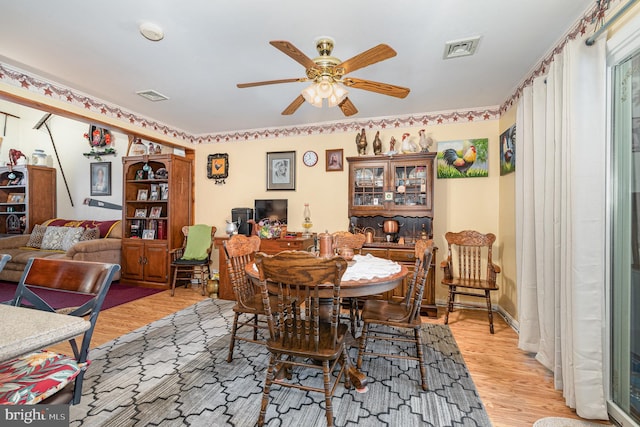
(311, 95)
(338, 95)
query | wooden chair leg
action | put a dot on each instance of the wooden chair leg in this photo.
(488, 297)
(255, 327)
(232, 342)
(173, 283)
(423, 366)
(452, 297)
(203, 283)
(267, 387)
(326, 376)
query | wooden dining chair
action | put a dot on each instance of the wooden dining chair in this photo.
(400, 316)
(192, 260)
(353, 241)
(304, 331)
(469, 269)
(249, 310)
(49, 377)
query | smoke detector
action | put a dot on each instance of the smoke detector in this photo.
(151, 31)
(463, 47)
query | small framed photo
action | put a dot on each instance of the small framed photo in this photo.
(143, 194)
(149, 234)
(155, 192)
(334, 160)
(15, 198)
(156, 211)
(281, 170)
(164, 191)
(388, 195)
(100, 179)
(141, 213)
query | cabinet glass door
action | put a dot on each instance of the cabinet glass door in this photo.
(368, 186)
(410, 185)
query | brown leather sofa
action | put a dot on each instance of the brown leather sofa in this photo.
(104, 249)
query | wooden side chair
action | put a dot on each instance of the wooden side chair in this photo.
(240, 251)
(301, 331)
(355, 241)
(469, 270)
(404, 315)
(49, 377)
(192, 260)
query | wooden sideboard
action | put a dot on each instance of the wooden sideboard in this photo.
(268, 246)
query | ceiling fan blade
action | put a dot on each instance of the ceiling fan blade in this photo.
(293, 106)
(383, 88)
(292, 51)
(368, 57)
(347, 107)
(272, 82)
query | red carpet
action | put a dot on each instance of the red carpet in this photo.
(118, 294)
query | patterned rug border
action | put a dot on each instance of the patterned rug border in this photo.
(174, 372)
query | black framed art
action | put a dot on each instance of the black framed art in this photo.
(281, 170)
(101, 179)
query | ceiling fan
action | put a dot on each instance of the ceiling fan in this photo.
(328, 74)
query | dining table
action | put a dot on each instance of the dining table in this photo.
(23, 330)
(365, 275)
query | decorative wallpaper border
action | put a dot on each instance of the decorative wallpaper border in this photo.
(40, 86)
(593, 18)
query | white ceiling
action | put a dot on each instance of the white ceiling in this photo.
(210, 46)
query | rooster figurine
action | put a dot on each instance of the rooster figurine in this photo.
(462, 164)
(425, 141)
(361, 143)
(377, 144)
(407, 146)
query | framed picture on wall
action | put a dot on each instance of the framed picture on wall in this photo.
(334, 160)
(100, 174)
(281, 170)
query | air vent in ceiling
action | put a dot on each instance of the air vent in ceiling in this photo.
(152, 95)
(457, 48)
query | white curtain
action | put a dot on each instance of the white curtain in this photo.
(560, 223)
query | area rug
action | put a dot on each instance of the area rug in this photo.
(117, 294)
(173, 372)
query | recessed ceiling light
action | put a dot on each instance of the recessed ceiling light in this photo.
(151, 31)
(152, 95)
(457, 48)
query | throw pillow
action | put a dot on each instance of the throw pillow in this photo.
(71, 237)
(90, 234)
(53, 237)
(35, 239)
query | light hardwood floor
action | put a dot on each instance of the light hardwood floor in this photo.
(514, 387)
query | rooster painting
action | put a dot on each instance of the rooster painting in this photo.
(463, 159)
(462, 164)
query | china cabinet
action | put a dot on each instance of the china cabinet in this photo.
(158, 202)
(391, 197)
(20, 207)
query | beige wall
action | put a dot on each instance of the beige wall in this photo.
(471, 203)
(506, 242)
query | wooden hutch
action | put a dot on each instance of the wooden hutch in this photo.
(400, 188)
(158, 202)
(20, 207)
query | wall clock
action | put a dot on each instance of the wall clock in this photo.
(310, 158)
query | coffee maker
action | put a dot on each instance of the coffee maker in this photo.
(241, 217)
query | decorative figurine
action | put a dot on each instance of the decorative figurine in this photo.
(407, 146)
(425, 141)
(377, 144)
(361, 143)
(392, 146)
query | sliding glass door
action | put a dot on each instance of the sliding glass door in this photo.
(624, 328)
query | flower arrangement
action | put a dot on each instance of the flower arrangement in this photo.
(269, 228)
